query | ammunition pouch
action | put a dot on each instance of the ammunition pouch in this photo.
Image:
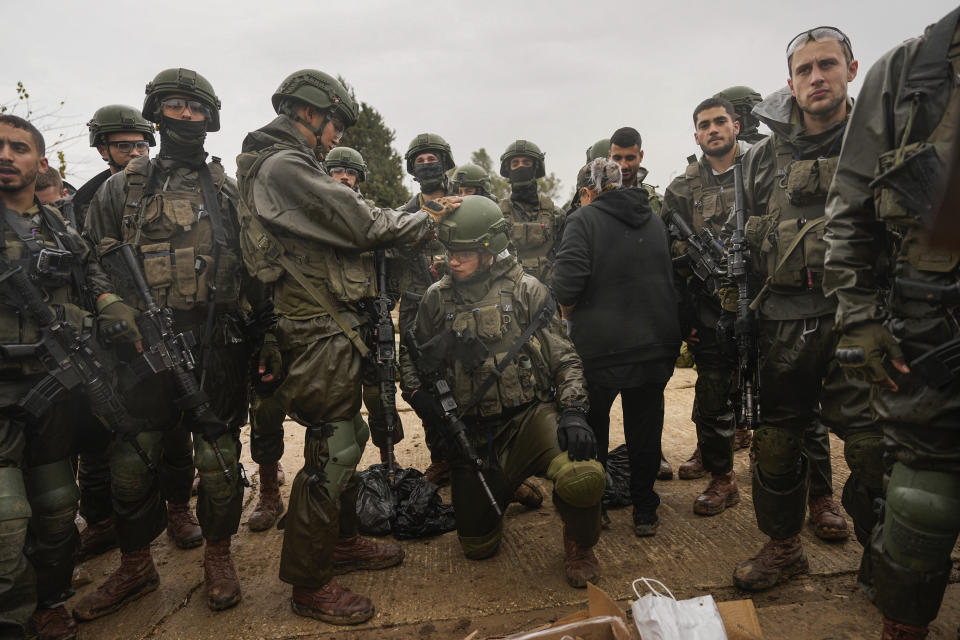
(907, 181)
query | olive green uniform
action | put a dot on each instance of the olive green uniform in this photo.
(514, 425)
(802, 389)
(535, 231)
(328, 230)
(874, 243)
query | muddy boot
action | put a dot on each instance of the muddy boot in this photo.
(270, 505)
(80, 576)
(666, 471)
(331, 603)
(693, 467)
(52, 624)
(182, 526)
(580, 565)
(742, 438)
(722, 492)
(776, 561)
(223, 585)
(355, 553)
(827, 519)
(437, 473)
(528, 495)
(899, 631)
(97, 538)
(135, 578)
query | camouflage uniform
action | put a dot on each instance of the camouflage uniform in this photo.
(535, 231)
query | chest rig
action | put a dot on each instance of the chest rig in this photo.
(179, 237)
(533, 235)
(712, 201)
(495, 321)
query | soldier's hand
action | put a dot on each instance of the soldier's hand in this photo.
(270, 367)
(861, 352)
(442, 207)
(575, 436)
(425, 405)
(117, 321)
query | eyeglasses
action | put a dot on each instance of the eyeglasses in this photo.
(819, 33)
(127, 146)
(347, 170)
(459, 256)
(177, 106)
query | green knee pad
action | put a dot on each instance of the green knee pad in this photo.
(14, 515)
(864, 455)
(922, 517)
(215, 485)
(480, 547)
(580, 483)
(130, 479)
(53, 495)
(345, 451)
(777, 451)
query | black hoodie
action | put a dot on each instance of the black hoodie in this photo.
(614, 265)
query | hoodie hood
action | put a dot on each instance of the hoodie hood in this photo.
(282, 131)
(780, 112)
(629, 206)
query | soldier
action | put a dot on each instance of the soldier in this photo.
(703, 197)
(536, 225)
(49, 187)
(308, 236)
(472, 180)
(599, 149)
(744, 99)
(786, 178)
(514, 416)
(181, 212)
(626, 150)
(898, 303)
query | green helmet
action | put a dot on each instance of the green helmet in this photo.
(117, 118)
(320, 90)
(744, 99)
(478, 224)
(347, 158)
(599, 149)
(472, 175)
(185, 82)
(429, 142)
(523, 148)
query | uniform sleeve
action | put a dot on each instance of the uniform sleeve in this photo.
(102, 229)
(428, 323)
(572, 267)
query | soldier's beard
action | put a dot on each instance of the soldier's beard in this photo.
(720, 152)
(182, 141)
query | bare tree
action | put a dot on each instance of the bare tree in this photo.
(59, 130)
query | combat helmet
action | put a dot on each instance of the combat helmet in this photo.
(117, 118)
(477, 225)
(744, 99)
(472, 175)
(599, 149)
(429, 142)
(523, 148)
(347, 158)
(184, 82)
(320, 90)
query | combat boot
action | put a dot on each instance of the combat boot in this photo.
(135, 578)
(438, 473)
(827, 519)
(580, 564)
(52, 624)
(722, 492)
(693, 467)
(182, 526)
(529, 495)
(666, 471)
(776, 561)
(356, 552)
(223, 585)
(742, 438)
(270, 505)
(331, 603)
(899, 631)
(97, 538)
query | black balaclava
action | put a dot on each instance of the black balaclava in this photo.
(523, 185)
(182, 141)
(431, 177)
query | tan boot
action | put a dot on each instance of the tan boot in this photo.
(97, 538)
(742, 438)
(827, 519)
(223, 585)
(270, 505)
(182, 526)
(331, 603)
(693, 467)
(135, 578)
(53, 624)
(357, 552)
(722, 492)
(899, 631)
(437, 473)
(580, 564)
(776, 561)
(666, 471)
(529, 495)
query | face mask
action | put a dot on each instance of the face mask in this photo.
(430, 176)
(182, 140)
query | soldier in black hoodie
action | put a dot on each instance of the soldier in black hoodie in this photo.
(614, 281)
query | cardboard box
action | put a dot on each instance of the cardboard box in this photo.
(740, 620)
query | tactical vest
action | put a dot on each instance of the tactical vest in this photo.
(175, 236)
(712, 202)
(495, 321)
(350, 276)
(533, 237)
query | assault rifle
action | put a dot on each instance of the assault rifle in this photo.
(704, 254)
(386, 353)
(745, 327)
(165, 349)
(429, 359)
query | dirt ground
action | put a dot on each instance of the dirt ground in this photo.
(437, 594)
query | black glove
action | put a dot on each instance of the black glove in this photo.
(575, 435)
(425, 406)
(268, 373)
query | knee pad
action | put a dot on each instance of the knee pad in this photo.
(579, 483)
(922, 517)
(480, 547)
(130, 479)
(53, 495)
(777, 451)
(361, 432)
(864, 455)
(344, 452)
(214, 483)
(14, 515)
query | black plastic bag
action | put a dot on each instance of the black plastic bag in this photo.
(414, 511)
(617, 493)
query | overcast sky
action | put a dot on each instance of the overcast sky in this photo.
(481, 74)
